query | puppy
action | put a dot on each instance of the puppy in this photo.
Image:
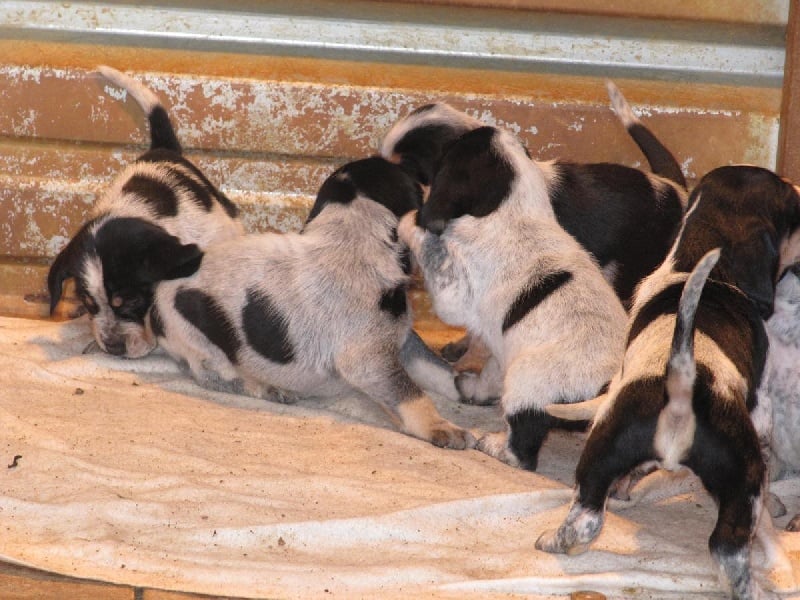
(626, 218)
(496, 261)
(149, 226)
(318, 313)
(696, 402)
(783, 388)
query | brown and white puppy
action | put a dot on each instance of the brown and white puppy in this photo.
(495, 260)
(150, 226)
(626, 218)
(696, 401)
(323, 312)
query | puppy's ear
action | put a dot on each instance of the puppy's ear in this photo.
(67, 264)
(166, 258)
(473, 179)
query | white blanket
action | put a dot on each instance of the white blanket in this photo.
(130, 473)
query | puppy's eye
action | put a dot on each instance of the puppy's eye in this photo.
(117, 301)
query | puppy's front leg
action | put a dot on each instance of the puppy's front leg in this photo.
(444, 273)
(380, 375)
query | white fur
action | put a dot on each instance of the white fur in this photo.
(567, 347)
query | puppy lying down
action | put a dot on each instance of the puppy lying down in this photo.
(318, 313)
(149, 226)
(495, 260)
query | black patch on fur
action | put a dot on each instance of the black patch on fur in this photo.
(375, 178)
(205, 314)
(473, 180)
(726, 316)
(135, 255)
(421, 149)
(534, 295)
(161, 155)
(619, 442)
(617, 215)
(156, 323)
(660, 159)
(153, 192)
(394, 301)
(266, 329)
(748, 212)
(528, 430)
(162, 134)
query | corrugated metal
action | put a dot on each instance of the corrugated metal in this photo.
(519, 40)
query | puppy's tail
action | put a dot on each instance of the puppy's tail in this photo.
(661, 160)
(681, 371)
(162, 134)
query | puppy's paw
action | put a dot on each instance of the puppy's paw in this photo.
(446, 435)
(469, 386)
(559, 541)
(496, 445)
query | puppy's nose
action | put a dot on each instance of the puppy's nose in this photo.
(115, 347)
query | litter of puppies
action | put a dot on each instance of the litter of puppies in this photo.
(664, 335)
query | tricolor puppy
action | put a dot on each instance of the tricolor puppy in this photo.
(783, 386)
(323, 312)
(695, 401)
(149, 226)
(626, 218)
(496, 261)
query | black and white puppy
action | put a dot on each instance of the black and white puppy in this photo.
(626, 218)
(696, 402)
(150, 225)
(323, 312)
(496, 261)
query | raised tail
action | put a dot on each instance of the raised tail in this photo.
(162, 134)
(675, 429)
(661, 160)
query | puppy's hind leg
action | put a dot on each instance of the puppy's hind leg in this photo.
(616, 445)
(380, 375)
(482, 389)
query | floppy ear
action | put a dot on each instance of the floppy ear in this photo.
(167, 258)
(67, 264)
(473, 179)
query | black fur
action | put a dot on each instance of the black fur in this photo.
(749, 256)
(202, 311)
(375, 178)
(421, 149)
(156, 323)
(534, 295)
(160, 155)
(154, 193)
(660, 159)
(476, 180)
(528, 430)
(162, 133)
(592, 202)
(69, 263)
(266, 329)
(394, 301)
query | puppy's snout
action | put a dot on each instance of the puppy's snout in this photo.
(115, 347)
